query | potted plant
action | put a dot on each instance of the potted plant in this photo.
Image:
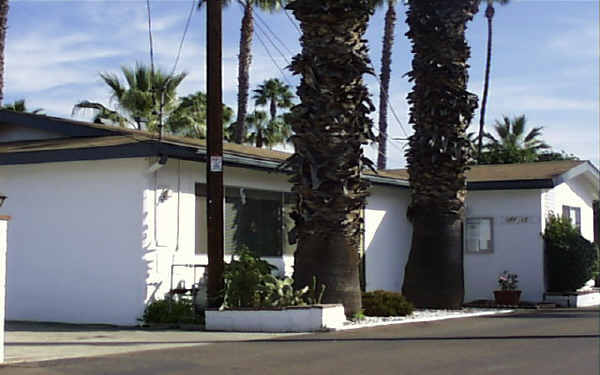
(508, 293)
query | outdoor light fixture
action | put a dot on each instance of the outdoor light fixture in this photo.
(2, 199)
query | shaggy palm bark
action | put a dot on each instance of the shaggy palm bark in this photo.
(440, 111)
(245, 58)
(330, 125)
(386, 63)
(3, 23)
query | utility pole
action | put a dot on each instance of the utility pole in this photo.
(214, 157)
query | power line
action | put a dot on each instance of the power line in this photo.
(273, 59)
(185, 30)
(389, 104)
(266, 35)
(288, 16)
(266, 25)
(267, 50)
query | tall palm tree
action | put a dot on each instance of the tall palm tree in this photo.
(245, 59)
(489, 14)
(141, 100)
(20, 106)
(441, 109)
(513, 145)
(188, 119)
(330, 124)
(3, 26)
(386, 69)
(274, 93)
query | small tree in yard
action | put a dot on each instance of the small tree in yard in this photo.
(570, 258)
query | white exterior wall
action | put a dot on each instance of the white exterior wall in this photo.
(76, 245)
(3, 249)
(575, 193)
(388, 236)
(84, 239)
(517, 246)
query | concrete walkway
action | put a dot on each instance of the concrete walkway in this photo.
(32, 342)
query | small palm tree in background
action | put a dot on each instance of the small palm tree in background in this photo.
(245, 59)
(489, 14)
(141, 100)
(188, 119)
(20, 106)
(513, 144)
(266, 132)
(275, 94)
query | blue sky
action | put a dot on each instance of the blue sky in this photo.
(545, 63)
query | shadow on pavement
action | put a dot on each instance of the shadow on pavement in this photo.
(310, 339)
(20, 326)
(548, 314)
(451, 338)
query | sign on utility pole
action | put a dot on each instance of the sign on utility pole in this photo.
(214, 154)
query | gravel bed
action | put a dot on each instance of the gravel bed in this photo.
(421, 316)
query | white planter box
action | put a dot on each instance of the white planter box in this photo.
(575, 299)
(290, 319)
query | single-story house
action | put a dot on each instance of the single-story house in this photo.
(104, 219)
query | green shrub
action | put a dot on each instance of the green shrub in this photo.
(178, 312)
(570, 258)
(244, 279)
(384, 303)
(249, 283)
(278, 292)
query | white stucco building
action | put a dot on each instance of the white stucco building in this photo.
(104, 219)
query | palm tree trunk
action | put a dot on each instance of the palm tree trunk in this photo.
(489, 14)
(441, 110)
(273, 109)
(331, 124)
(386, 63)
(3, 25)
(244, 60)
(259, 138)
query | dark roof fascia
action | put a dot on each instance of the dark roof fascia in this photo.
(53, 124)
(253, 163)
(511, 185)
(379, 180)
(133, 150)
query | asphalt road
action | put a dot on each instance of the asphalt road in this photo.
(534, 342)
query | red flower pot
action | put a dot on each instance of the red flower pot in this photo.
(507, 297)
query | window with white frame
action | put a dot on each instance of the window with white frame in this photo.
(479, 235)
(573, 214)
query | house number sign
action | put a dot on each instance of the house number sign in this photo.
(519, 220)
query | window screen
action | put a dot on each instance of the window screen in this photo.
(478, 235)
(256, 219)
(253, 219)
